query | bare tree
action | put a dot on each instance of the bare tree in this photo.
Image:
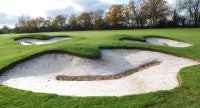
(23, 19)
(187, 4)
(192, 7)
(196, 12)
(138, 12)
(97, 19)
(128, 12)
(156, 10)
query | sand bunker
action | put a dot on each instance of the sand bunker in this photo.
(31, 41)
(160, 41)
(39, 74)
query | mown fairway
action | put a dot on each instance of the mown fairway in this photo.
(87, 43)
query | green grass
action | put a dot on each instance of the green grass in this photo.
(88, 43)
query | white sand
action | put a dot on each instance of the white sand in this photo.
(160, 41)
(31, 41)
(39, 74)
(133, 41)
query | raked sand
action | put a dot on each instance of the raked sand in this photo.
(39, 74)
(160, 41)
(31, 41)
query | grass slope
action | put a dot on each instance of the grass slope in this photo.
(87, 43)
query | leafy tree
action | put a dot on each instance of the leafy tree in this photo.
(140, 13)
(40, 21)
(59, 21)
(73, 23)
(85, 20)
(31, 25)
(115, 15)
(5, 29)
(2, 31)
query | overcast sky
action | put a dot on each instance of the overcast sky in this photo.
(10, 10)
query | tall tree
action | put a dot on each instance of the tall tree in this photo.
(115, 15)
(192, 7)
(2, 31)
(47, 22)
(196, 12)
(199, 19)
(187, 4)
(138, 13)
(156, 10)
(128, 12)
(175, 18)
(85, 20)
(59, 21)
(22, 20)
(6, 29)
(21, 26)
(97, 19)
(40, 21)
(73, 23)
(31, 25)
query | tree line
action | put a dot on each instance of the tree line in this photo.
(140, 14)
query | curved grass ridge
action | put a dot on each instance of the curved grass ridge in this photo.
(88, 42)
(38, 36)
(109, 77)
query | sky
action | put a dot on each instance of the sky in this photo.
(11, 10)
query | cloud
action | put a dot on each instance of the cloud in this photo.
(117, 1)
(10, 10)
(8, 20)
(90, 5)
(171, 1)
(32, 7)
(61, 11)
